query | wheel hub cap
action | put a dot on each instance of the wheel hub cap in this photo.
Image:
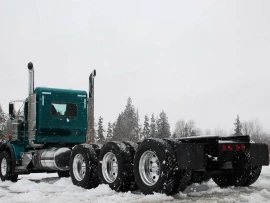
(149, 168)
(79, 167)
(109, 167)
(4, 166)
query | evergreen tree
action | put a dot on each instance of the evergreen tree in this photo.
(238, 126)
(153, 127)
(2, 116)
(100, 131)
(193, 133)
(113, 126)
(138, 127)
(109, 132)
(174, 135)
(118, 131)
(163, 126)
(146, 128)
(130, 121)
(127, 126)
(95, 131)
(3, 124)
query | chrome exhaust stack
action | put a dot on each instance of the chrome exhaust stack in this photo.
(90, 130)
(32, 108)
(30, 78)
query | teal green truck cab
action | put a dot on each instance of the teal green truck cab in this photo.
(61, 116)
(61, 119)
(51, 122)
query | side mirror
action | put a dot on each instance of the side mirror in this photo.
(11, 111)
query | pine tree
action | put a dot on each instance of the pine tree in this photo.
(174, 135)
(100, 136)
(95, 131)
(129, 120)
(109, 132)
(3, 124)
(153, 127)
(127, 127)
(2, 116)
(193, 133)
(118, 131)
(138, 128)
(146, 128)
(238, 126)
(163, 126)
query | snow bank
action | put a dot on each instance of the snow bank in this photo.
(48, 188)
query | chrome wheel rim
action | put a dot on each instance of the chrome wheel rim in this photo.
(79, 167)
(109, 167)
(149, 168)
(4, 166)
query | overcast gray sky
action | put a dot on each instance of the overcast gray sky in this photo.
(202, 60)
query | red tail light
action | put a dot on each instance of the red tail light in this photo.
(224, 147)
(233, 147)
(237, 147)
(230, 148)
(243, 147)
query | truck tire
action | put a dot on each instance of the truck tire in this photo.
(253, 176)
(63, 174)
(132, 147)
(13, 178)
(183, 177)
(97, 148)
(244, 174)
(153, 167)
(5, 170)
(83, 166)
(115, 166)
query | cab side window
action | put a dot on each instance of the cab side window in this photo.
(64, 109)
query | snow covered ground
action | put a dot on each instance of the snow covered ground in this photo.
(49, 188)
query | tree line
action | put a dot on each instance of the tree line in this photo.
(127, 127)
(5, 125)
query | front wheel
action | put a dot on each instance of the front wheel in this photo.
(6, 164)
(83, 166)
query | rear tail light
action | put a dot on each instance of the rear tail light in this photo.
(230, 148)
(224, 147)
(243, 147)
(233, 147)
(237, 147)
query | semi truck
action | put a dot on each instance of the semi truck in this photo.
(55, 134)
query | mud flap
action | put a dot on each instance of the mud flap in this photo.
(259, 154)
(190, 156)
